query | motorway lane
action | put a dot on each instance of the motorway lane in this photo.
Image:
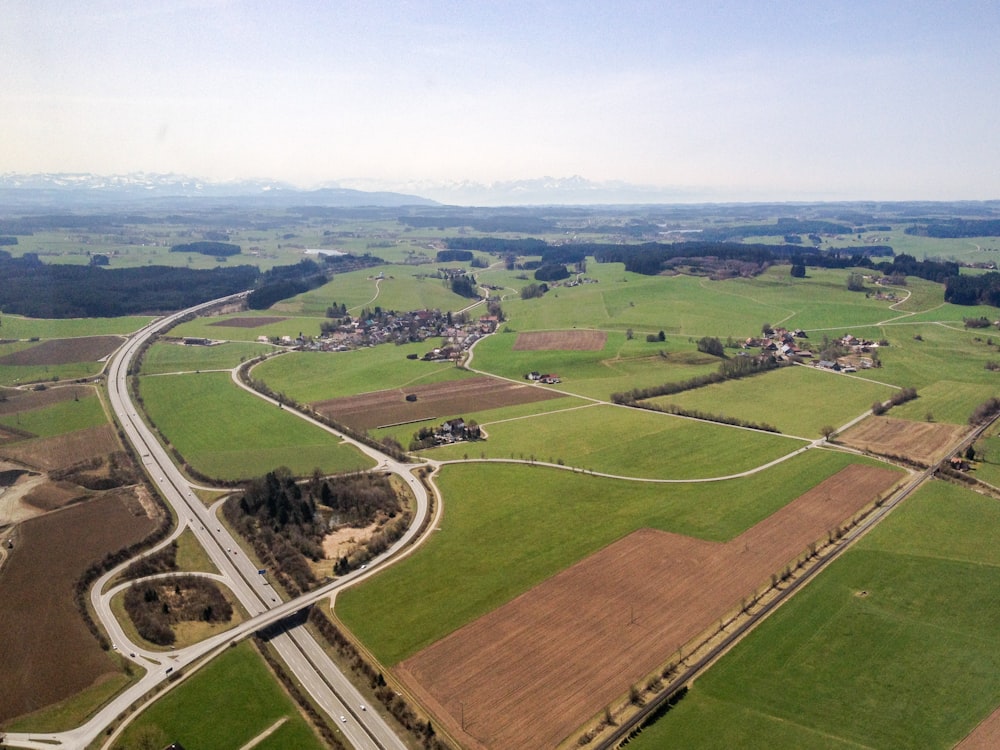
(296, 647)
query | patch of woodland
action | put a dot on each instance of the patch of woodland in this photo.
(286, 522)
(156, 605)
(100, 472)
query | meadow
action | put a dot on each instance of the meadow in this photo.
(199, 714)
(66, 416)
(626, 442)
(509, 527)
(797, 400)
(165, 357)
(315, 376)
(227, 433)
(895, 645)
(18, 327)
(215, 327)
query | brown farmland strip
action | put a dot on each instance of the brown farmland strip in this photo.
(247, 322)
(984, 737)
(922, 441)
(534, 670)
(434, 401)
(46, 651)
(18, 400)
(64, 351)
(574, 340)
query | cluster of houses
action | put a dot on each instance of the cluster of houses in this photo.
(380, 327)
(453, 431)
(545, 379)
(783, 344)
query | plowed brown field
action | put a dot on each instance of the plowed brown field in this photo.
(247, 322)
(18, 400)
(584, 341)
(922, 441)
(984, 737)
(46, 651)
(63, 450)
(65, 351)
(442, 401)
(533, 671)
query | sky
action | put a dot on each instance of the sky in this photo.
(705, 100)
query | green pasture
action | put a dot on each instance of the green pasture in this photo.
(620, 366)
(987, 464)
(316, 376)
(200, 714)
(895, 645)
(165, 357)
(402, 288)
(920, 355)
(626, 442)
(60, 418)
(214, 327)
(509, 527)
(946, 401)
(797, 400)
(18, 327)
(15, 375)
(225, 432)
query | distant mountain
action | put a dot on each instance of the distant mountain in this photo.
(82, 190)
(575, 190)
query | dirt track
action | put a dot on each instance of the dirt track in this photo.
(531, 672)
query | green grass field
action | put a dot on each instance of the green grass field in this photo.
(896, 645)
(315, 376)
(797, 400)
(198, 714)
(507, 528)
(290, 326)
(227, 433)
(626, 442)
(57, 419)
(18, 327)
(172, 357)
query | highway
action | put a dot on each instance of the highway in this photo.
(303, 656)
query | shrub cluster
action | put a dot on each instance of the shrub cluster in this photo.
(163, 561)
(985, 411)
(156, 605)
(708, 417)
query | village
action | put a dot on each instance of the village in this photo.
(845, 354)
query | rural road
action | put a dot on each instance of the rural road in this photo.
(304, 657)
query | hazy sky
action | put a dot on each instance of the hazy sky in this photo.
(793, 100)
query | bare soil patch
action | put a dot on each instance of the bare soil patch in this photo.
(345, 540)
(48, 495)
(15, 400)
(921, 441)
(573, 340)
(984, 737)
(40, 630)
(434, 401)
(531, 672)
(62, 451)
(247, 322)
(65, 351)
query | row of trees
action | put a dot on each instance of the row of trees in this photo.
(731, 369)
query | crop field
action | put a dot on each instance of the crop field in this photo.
(199, 714)
(225, 432)
(626, 442)
(316, 376)
(530, 523)
(63, 450)
(12, 400)
(541, 341)
(59, 417)
(166, 357)
(797, 400)
(441, 401)
(17, 327)
(248, 322)
(35, 649)
(889, 436)
(216, 328)
(64, 351)
(620, 366)
(558, 652)
(895, 645)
